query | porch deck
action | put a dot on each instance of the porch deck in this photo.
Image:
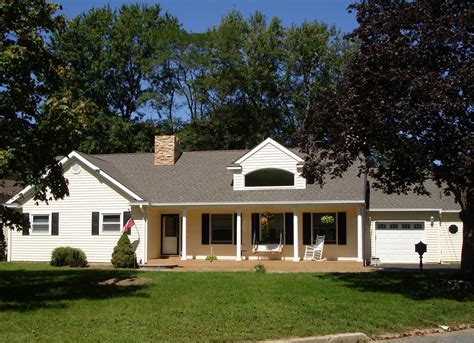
(276, 266)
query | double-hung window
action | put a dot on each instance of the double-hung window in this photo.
(271, 227)
(222, 228)
(325, 224)
(111, 222)
(40, 223)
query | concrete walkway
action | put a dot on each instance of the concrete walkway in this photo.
(464, 336)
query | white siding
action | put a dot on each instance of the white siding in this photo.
(269, 156)
(451, 246)
(87, 194)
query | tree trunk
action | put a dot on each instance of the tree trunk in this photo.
(467, 256)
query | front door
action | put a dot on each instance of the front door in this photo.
(169, 234)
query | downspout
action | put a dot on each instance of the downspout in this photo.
(9, 245)
(145, 233)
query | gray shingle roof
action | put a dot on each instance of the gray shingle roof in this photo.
(202, 177)
(436, 200)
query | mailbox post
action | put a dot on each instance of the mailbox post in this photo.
(420, 248)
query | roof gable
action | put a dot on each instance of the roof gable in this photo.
(265, 143)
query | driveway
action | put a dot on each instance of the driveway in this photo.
(464, 336)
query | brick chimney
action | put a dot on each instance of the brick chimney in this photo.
(166, 150)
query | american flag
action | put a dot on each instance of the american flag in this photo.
(127, 228)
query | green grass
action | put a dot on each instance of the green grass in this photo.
(43, 303)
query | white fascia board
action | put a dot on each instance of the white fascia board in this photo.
(75, 154)
(275, 144)
(105, 175)
(260, 203)
(404, 210)
(234, 168)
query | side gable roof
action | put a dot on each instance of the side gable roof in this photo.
(28, 191)
(263, 144)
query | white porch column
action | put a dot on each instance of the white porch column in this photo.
(145, 233)
(238, 255)
(359, 234)
(296, 243)
(183, 236)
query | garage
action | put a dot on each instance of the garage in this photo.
(395, 241)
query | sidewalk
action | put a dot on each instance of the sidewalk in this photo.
(463, 336)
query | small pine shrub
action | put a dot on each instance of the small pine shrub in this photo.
(67, 256)
(259, 269)
(123, 255)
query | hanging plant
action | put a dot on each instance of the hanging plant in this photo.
(327, 219)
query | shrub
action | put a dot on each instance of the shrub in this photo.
(211, 258)
(123, 255)
(259, 268)
(67, 256)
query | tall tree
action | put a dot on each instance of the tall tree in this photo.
(259, 79)
(405, 97)
(38, 121)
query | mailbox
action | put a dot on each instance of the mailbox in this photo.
(420, 248)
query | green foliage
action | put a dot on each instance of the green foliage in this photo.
(211, 258)
(259, 268)
(39, 118)
(405, 102)
(123, 255)
(67, 256)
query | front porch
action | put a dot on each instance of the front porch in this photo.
(230, 233)
(272, 266)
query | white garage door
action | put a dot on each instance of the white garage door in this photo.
(395, 241)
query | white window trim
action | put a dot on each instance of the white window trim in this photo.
(101, 223)
(50, 223)
(313, 239)
(210, 229)
(260, 188)
(260, 224)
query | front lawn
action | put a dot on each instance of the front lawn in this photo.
(39, 302)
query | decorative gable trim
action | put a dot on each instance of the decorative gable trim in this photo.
(76, 155)
(275, 144)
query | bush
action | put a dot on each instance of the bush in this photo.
(259, 268)
(67, 256)
(123, 255)
(211, 258)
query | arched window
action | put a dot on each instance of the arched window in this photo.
(269, 177)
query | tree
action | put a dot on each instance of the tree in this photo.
(38, 119)
(405, 101)
(123, 255)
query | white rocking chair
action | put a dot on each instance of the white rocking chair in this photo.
(315, 252)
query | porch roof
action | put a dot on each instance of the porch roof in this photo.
(202, 177)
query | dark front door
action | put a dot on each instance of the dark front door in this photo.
(169, 234)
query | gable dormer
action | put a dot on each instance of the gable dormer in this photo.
(268, 166)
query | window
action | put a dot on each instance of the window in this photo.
(418, 226)
(325, 224)
(406, 226)
(222, 228)
(269, 177)
(393, 226)
(271, 227)
(40, 223)
(381, 226)
(400, 226)
(111, 223)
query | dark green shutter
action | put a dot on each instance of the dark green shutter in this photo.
(95, 223)
(55, 224)
(25, 224)
(205, 229)
(255, 228)
(289, 228)
(341, 228)
(307, 228)
(126, 216)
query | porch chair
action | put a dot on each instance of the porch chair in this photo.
(315, 252)
(267, 248)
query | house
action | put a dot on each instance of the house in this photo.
(194, 204)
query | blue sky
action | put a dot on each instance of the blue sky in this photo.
(198, 15)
